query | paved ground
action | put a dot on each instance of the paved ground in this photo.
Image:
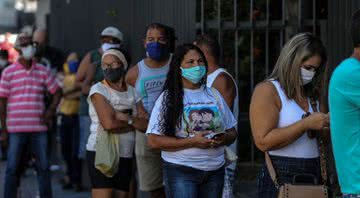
(243, 189)
(29, 186)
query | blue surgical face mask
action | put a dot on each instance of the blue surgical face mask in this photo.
(73, 66)
(194, 74)
(157, 51)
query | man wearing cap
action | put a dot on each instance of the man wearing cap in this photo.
(23, 114)
(110, 37)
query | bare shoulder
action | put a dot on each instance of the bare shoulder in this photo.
(266, 91)
(225, 81)
(265, 87)
(132, 75)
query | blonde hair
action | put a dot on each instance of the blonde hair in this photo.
(297, 50)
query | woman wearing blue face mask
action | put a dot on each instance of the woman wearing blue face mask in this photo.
(183, 124)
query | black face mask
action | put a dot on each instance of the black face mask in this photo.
(114, 75)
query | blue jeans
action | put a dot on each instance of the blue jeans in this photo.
(286, 168)
(85, 122)
(18, 143)
(182, 181)
(229, 182)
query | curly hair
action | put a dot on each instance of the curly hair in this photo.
(172, 105)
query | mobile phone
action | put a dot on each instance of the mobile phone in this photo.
(127, 111)
(217, 135)
(214, 135)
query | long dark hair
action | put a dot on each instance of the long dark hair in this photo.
(172, 104)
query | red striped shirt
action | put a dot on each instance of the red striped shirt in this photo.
(24, 90)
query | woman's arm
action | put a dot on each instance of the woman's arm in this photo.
(107, 115)
(167, 143)
(264, 117)
(139, 122)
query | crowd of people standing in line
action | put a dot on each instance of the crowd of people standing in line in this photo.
(174, 115)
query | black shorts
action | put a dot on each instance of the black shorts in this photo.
(120, 181)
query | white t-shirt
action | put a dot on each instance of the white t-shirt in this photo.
(202, 112)
(119, 101)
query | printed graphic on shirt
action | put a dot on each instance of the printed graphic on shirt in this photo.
(151, 88)
(201, 118)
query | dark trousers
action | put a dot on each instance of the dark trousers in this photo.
(69, 131)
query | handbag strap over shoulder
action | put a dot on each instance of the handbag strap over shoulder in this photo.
(321, 145)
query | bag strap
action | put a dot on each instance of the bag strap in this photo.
(271, 170)
(321, 145)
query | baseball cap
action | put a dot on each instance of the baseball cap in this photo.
(113, 32)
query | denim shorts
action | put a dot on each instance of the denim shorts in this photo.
(286, 168)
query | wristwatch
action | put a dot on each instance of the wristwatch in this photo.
(130, 121)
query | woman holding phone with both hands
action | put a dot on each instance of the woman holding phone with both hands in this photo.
(185, 117)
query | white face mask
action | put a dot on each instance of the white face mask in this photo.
(3, 63)
(107, 46)
(307, 76)
(28, 52)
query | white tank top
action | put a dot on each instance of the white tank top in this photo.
(210, 81)
(235, 110)
(291, 112)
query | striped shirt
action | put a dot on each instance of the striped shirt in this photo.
(25, 91)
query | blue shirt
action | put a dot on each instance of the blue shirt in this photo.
(344, 98)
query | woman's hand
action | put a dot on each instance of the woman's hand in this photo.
(121, 116)
(317, 121)
(219, 140)
(224, 139)
(200, 141)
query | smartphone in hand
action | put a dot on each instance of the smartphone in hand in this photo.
(128, 111)
(214, 135)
